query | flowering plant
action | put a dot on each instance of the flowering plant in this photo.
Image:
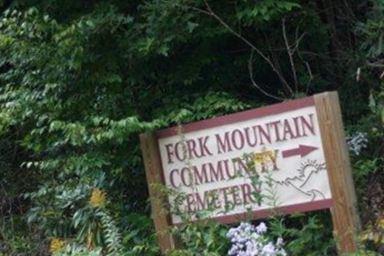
(248, 240)
(357, 142)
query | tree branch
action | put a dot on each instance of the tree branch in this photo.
(246, 41)
(250, 69)
(290, 55)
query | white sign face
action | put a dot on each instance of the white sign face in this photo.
(247, 162)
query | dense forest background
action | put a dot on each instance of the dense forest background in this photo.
(80, 80)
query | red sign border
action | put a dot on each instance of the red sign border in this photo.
(239, 117)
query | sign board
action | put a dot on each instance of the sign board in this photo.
(246, 162)
(289, 157)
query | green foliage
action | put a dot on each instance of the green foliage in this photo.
(79, 80)
(112, 234)
(205, 238)
(376, 104)
(373, 235)
(304, 235)
(140, 236)
(210, 105)
(372, 31)
(78, 250)
(364, 253)
(365, 168)
(250, 13)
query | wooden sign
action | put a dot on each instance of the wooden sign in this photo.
(286, 158)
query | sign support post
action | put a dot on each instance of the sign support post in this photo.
(153, 170)
(344, 213)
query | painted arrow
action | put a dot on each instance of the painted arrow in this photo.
(302, 150)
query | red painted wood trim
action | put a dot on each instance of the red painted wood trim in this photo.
(238, 117)
(261, 214)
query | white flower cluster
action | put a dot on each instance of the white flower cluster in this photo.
(248, 240)
(357, 142)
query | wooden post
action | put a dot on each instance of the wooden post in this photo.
(153, 170)
(344, 212)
